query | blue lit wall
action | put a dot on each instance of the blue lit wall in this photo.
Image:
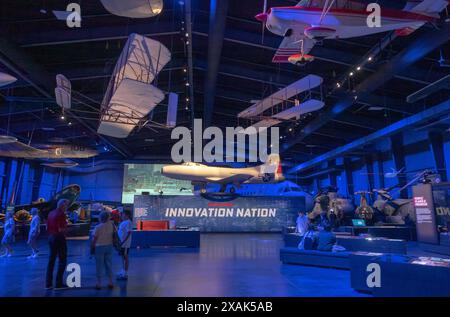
(100, 182)
(29, 180)
(103, 181)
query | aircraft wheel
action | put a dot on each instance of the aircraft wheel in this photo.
(203, 190)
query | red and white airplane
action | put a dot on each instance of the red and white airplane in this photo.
(312, 21)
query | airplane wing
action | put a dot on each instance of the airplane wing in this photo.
(237, 178)
(21, 150)
(290, 46)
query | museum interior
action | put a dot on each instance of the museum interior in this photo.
(224, 148)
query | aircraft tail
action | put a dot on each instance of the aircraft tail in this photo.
(272, 166)
(430, 8)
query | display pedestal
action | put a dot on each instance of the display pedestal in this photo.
(351, 243)
(166, 238)
(401, 275)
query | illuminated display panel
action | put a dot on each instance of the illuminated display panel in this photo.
(139, 178)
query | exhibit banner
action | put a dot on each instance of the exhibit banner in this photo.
(441, 201)
(243, 214)
(425, 214)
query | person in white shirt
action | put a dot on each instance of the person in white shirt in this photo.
(8, 236)
(35, 230)
(125, 230)
(302, 223)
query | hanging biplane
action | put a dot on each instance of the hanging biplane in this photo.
(292, 109)
(312, 21)
(130, 97)
(56, 155)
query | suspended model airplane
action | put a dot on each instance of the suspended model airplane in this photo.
(130, 97)
(312, 21)
(201, 175)
(283, 96)
(18, 149)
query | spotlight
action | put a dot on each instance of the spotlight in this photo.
(370, 58)
(187, 84)
(187, 42)
(187, 34)
(290, 129)
(63, 118)
(351, 74)
(185, 70)
(338, 85)
(70, 123)
(358, 68)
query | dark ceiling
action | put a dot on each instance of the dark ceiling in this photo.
(34, 47)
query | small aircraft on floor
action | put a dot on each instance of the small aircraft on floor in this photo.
(201, 175)
(312, 21)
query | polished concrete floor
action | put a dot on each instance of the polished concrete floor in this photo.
(225, 265)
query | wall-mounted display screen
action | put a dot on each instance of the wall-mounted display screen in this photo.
(147, 178)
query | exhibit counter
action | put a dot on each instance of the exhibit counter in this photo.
(400, 275)
(166, 238)
(352, 243)
(388, 231)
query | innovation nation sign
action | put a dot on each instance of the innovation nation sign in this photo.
(243, 214)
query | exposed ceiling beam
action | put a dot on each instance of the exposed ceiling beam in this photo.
(415, 51)
(436, 111)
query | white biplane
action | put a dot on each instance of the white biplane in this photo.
(312, 21)
(283, 97)
(130, 97)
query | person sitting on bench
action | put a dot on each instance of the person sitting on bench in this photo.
(326, 239)
(302, 223)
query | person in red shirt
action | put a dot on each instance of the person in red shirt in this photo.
(56, 229)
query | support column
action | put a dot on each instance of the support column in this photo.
(38, 174)
(349, 177)
(398, 156)
(380, 169)
(436, 140)
(370, 174)
(332, 175)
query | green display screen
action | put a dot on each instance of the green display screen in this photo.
(147, 178)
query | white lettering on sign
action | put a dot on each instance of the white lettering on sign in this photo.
(140, 212)
(221, 212)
